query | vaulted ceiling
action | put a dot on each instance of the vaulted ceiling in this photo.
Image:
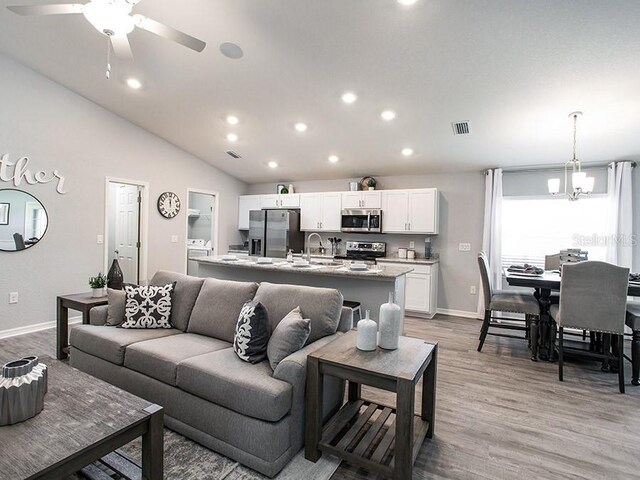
(515, 69)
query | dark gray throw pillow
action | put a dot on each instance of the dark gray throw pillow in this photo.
(289, 336)
(116, 300)
(148, 306)
(252, 333)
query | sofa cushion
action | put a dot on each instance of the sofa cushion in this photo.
(289, 336)
(222, 378)
(115, 306)
(148, 306)
(184, 296)
(323, 306)
(252, 333)
(109, 343)
(159, 358)
(216, 311)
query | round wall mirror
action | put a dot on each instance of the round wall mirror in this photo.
(23, 220)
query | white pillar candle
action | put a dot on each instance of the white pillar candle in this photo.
(367, 334)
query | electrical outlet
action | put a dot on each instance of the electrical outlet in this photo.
(100, 239)
(472, 290)
(13, 297)
(412, 244)
(464, 247)
(174, 238)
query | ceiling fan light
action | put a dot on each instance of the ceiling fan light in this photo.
(554, 186)
(109, 18)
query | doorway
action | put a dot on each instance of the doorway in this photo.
(125, 207)
(202, 227)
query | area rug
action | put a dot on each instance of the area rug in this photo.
(187, 460)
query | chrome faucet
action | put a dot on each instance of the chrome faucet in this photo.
(309, 244)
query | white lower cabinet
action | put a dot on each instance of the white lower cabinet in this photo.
(421, 289)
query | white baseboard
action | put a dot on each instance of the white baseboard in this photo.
(12, 332)
(458, 313)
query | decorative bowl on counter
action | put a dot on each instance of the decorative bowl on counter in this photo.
(228, 258)
(358, 266)
(264, 261)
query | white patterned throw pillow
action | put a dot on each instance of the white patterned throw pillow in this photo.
(252, 333)
(148, 306)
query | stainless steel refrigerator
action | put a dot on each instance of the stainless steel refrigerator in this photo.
(272, 233)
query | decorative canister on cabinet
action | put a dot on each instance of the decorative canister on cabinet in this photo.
(389, 324)
(23, 384)
(367, 334)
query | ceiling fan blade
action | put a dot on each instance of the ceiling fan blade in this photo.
(169, 33)
(121, 47)
(61, 9)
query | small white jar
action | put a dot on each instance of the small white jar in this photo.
(367, 334)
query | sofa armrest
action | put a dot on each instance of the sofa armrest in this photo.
(346, 320)
(98, 315)
(293, 370)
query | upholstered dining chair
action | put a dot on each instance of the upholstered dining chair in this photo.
(633, 322)
(593, 297)
(507, 301)
(552, 262)
(19, 241)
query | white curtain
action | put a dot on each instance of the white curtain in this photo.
(620, 192)
(492, 234)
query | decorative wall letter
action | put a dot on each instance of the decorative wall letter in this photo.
(17, 172)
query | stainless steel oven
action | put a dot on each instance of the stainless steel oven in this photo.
(361, 221)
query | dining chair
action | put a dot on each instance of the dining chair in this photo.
(506, 301)
(552, 262)
(593, 297)
(633, 322)
(19, 241)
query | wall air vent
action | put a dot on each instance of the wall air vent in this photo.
(461, 128)
(233, 154)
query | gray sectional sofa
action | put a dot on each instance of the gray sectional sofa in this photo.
(250, 413)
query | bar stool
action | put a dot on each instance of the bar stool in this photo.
(355, 307)
(633, 322)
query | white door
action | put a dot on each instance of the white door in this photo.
(127, 231)
(269, 201)
(351, 200)
(418, 291)
(422, 211)
(395, 211)
(372, 200)
(331, 220)
(310, 211)
(246, 203)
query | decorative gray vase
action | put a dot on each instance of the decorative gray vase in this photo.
(23, 384)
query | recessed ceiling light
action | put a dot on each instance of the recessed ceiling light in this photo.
(407, 2)
(232, 137)
(334, 158)
(407, 152)
(301, 127)
(231, 50)
(349, 97)
(388, 115)
(273, 164)
(232, 120)
(134, 83)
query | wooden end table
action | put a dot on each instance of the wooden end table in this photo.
(82, 302)
(353, 433)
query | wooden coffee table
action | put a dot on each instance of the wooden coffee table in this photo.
(84, 419)
(354, 433)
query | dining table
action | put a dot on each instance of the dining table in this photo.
(544, 328)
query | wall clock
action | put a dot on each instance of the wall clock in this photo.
(168, 204)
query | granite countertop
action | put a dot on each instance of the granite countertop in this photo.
(414, 261)
(281, 265)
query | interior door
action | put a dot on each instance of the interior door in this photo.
(127, 231)
(422, 217)
(395, 211)
(331, 212)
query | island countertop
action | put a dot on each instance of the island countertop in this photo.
(375, 272)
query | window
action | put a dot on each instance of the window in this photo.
(533, 227)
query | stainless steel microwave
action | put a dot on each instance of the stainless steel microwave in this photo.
(361, 221)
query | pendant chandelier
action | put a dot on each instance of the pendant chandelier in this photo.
(580, 183)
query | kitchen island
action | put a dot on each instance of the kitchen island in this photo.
(371, 287)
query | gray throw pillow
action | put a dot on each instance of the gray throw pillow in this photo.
(148, 307)
(252, 333)
(289, 336)
(115, 307)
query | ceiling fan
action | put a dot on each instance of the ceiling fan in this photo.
(113, 18)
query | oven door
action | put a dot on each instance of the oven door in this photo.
(361, 221)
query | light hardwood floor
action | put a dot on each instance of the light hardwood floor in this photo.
(499, 415)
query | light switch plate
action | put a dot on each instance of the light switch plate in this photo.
(412, 244)
(13, 297)
(174, 238)
(100, 239)
(464, 247)
(472, 290)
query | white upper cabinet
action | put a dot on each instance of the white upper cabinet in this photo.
(364, 199)
(280, 201)
(410, 211)
(246, 203)
(320, 212)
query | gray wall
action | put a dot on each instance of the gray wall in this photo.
(461, 219)
(58, 129)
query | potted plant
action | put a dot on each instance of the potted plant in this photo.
(97, 285)
(372, 184)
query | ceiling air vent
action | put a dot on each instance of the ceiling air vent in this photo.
(233, 154)
(461, 128)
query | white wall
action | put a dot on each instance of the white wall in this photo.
(58, 129)
(461, 217)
